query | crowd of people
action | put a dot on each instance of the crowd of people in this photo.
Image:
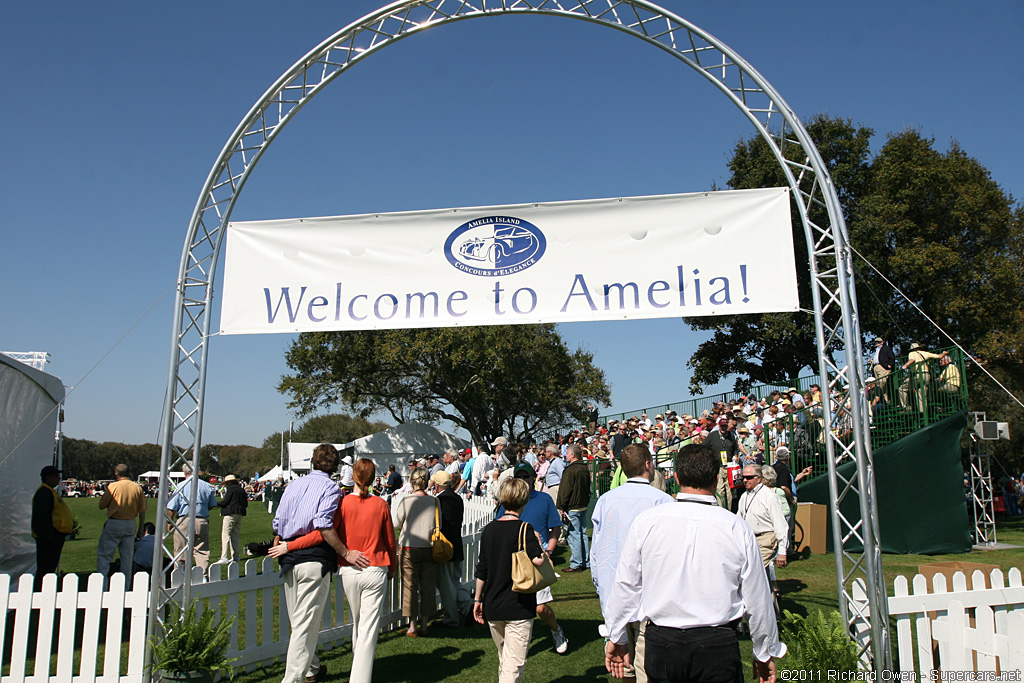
(388, 526)
(126, 531)
(370, 528)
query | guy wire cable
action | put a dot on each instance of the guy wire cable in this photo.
(89, 372)
(936, 326)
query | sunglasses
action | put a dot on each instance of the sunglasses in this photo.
(751, 476)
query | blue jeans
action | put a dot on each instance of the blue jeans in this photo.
(579, 544)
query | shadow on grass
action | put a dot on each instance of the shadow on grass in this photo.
(588, 676)
(434, 667)
(580, 632)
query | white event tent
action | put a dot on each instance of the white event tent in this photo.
(29, 405)
(393, 446)
(277, 473)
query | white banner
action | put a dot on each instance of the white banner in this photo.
(706, 253)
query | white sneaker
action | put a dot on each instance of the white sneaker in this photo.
(561, 642)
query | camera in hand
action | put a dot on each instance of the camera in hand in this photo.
(259, 549)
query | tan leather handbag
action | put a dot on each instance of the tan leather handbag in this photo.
(440, 546)
(526, 576)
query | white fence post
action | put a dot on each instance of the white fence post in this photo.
(56, 619)
(937, 625)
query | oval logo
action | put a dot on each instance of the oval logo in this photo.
(494, 245)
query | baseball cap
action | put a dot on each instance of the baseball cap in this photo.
(49, 471)
(500, 441)
(441, 478)
(524, 468)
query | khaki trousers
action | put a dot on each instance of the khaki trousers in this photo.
(200, 541)
(230, 543)
(419, 583)
(306, 588)
(723, 492)
(769, 546)
(635, 641)
(364, 591)
(512, 638)
(882, 375)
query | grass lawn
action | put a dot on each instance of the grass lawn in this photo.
(79, 555)
(467, 654)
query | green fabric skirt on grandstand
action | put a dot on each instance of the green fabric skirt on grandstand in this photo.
(922, 505)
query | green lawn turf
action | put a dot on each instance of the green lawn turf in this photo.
(79, 555)
(467, 655)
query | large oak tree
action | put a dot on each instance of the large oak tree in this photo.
(519, 381)
(935, 224)
(774, 347)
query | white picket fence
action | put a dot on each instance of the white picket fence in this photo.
(56, 620)
(978, 629)
(70, 622)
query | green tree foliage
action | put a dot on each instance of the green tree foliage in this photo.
(934, 223)
(332, 428)
(336, 428)
(772, 347)
(241, 461)
(90, 460)
(514, 380)
(944, 232)
(940, 228)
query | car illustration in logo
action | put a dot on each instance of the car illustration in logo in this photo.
(507, 241)
(494, 245)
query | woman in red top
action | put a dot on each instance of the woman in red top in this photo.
(363, 523)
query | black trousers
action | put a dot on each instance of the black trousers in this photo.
(47, 557)
(705, 655)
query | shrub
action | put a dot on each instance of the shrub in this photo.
(193, 643)
(818, 643)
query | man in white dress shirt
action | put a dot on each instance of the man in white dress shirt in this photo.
(613, 515)
(692, 570)
(761, 509)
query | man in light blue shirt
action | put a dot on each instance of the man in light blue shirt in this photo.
(553, 479)
(530, 456)
(556, 465)
(613, 515)
(178, 508)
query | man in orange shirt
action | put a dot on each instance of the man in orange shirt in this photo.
(124, 502)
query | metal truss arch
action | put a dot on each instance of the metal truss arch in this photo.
(814, 196)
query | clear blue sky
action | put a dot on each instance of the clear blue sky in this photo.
(113, 113)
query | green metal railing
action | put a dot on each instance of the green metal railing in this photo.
(696, 406)
(902, 403)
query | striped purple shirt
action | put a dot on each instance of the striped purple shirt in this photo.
(308, 503)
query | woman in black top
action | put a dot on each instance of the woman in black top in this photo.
(508, 614)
